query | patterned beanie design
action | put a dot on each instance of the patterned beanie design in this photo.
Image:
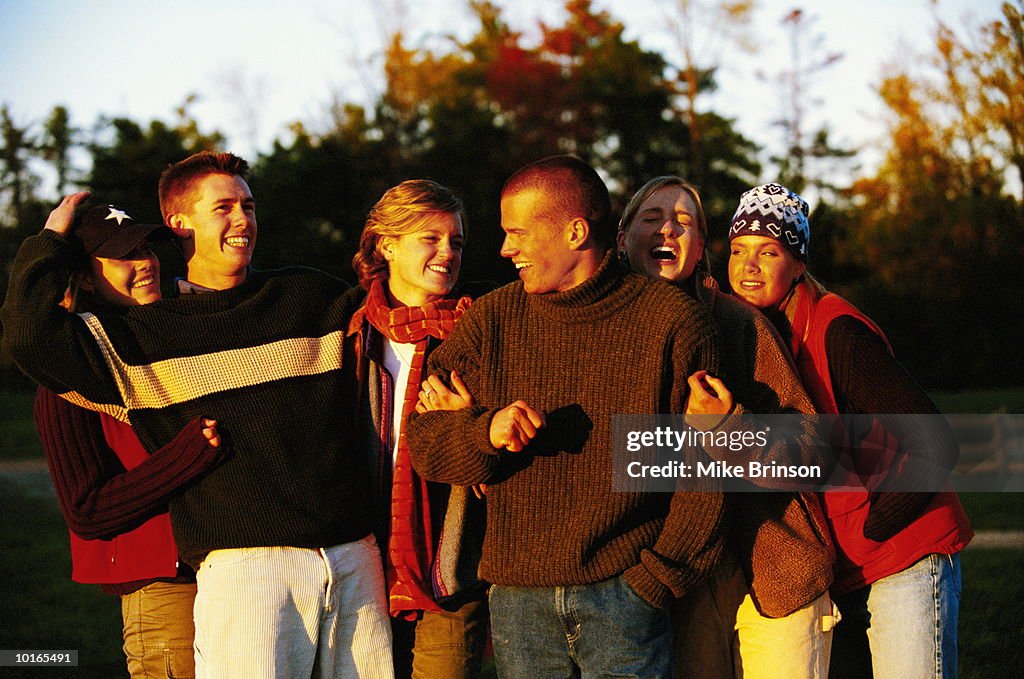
(774, 211)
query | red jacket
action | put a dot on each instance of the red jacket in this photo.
(943, 528)
(113, 494)
(143, 553)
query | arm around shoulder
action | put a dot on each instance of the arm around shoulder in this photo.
(49, 344)
(97, 496)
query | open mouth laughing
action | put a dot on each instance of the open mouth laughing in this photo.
(664, 253)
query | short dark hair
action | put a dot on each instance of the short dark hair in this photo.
(178, 181)
(574, 189)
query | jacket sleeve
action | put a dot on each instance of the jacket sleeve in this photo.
(97, 496)
(771, 387)
(693, 536)
(49, 344)
(867, 379)
(454, 446)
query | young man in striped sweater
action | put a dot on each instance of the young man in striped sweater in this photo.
(290, 581)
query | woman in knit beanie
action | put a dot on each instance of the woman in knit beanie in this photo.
(898, 577)
(409, 257)
(112, 492)
(746, 621)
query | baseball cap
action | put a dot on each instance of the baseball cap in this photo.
(107, 231)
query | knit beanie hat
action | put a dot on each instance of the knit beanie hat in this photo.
(774, 211)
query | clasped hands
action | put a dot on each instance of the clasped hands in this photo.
(512, 427)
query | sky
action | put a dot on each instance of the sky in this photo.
(255, 66)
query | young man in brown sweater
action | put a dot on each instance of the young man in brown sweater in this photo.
(581, 574)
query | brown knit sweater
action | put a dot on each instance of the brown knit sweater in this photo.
(781, 539)
(618, 343)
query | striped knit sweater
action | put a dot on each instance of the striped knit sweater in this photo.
(263, 358)
(618, 343)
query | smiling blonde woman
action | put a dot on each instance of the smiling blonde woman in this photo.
(745, 621)
(409, 258)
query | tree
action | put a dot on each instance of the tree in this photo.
(935, 228)
(697, 28)
(16, 178)
(58, 139)
(808, 59)
(487, 105)
(127, 159)
(984, 83)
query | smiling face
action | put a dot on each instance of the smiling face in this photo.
(663, 240)
(130, 281)
(222, 219)
(541, 249)
(423, 265)
(761, 270)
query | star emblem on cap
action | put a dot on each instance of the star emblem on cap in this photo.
(119, 215)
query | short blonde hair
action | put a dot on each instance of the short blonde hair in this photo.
(399, 212)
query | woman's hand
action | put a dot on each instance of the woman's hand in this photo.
(62, 216)
(210, 433)
(708, 395)
(435, 395)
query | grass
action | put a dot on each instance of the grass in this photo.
(994, 511)
(44, 609)
(981, 401)
(18, 438)
(991, 634)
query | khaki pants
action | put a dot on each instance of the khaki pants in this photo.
(158, 631)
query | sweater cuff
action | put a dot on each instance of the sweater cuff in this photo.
(481, 434)
(646, 584)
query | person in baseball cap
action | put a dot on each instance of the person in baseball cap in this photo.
(122, 270)
(108, 231)
(112, 491)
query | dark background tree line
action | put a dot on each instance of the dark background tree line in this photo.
(930, 244)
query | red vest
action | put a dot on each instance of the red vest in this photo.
(943, 528)
(143, 553)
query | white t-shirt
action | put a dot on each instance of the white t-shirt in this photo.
(398, 362)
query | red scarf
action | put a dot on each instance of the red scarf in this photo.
(412, 542)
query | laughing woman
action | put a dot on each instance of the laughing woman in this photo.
(766, 611)
(112, 492)
(898, 570)
(408, 262)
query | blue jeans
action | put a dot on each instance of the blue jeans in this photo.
(600, 630)
(902, 626)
